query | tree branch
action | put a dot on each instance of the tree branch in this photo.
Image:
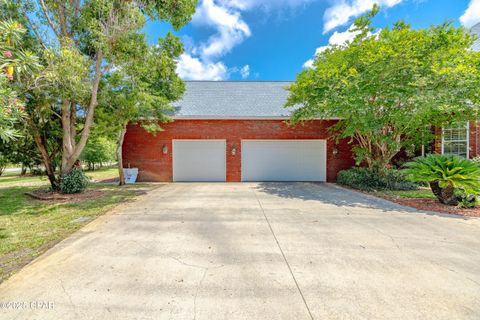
(50, 22)
(34, 28)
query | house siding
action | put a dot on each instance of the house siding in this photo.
(144, 150)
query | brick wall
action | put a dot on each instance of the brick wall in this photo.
(144, 151)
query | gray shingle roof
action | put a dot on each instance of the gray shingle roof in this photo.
(233, 99)
(476, 31)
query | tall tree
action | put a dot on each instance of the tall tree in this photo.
(85, 43)
(389, 88)
(141, 90)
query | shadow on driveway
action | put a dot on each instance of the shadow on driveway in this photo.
(335, 195)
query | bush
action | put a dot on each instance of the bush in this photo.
(476, 160)
(447, 175)
(74, 182)
(368, 180)
(466, 200)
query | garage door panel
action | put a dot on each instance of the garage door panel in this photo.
(199, 160)
(283, 160)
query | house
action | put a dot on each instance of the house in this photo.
(236, 131)
(461, 139)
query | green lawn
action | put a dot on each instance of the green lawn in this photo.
(28, 227)
(424, 193)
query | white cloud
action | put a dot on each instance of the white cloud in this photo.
(266, 4)
(245, 71)
(230, 28)
(342, 11)
(191, 68)
(308, 64)
(202, 60)
(337, 38)
(471, 16)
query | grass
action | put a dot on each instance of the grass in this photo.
(28, 227)
(422, 193)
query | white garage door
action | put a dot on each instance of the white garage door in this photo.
(199, 160)
(284, 160)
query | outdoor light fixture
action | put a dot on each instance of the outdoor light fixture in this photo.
(165, 149)
(335, 152)
(234, 150)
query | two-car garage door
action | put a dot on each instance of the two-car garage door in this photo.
(261, 160)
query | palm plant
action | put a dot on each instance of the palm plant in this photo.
(445, 174)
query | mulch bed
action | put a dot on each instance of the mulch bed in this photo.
(435, 206)
(46, 195)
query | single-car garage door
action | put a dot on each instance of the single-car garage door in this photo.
(199, 160)
(284, 160)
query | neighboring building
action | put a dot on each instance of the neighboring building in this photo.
(236, 131)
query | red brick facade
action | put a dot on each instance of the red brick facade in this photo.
(144, 151)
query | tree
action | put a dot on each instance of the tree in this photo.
(98, 150)
(389, 88)
(141, 91)
(85, 42)
(14, 60)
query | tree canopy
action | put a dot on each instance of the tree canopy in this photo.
(389, 87)
(88, 48)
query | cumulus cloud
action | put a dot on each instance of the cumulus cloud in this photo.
(342, 11)
(472, 14)
(225, 17)
(337, 38)
(266, 4)
(230, 28)
(191, 68)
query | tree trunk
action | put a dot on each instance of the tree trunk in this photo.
(23, 171)
(47, 161)
(74, 149)
(121, 138)
(444, 195)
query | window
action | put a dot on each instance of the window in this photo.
(455, 140)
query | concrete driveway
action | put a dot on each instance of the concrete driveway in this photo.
(256, 251)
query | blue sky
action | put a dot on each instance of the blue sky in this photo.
(275, 39)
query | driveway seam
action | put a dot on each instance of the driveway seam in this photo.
(284, 257)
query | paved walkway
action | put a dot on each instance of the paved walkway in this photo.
(256, 251)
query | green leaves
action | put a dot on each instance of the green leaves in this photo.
(390, 88)
(68, 73)
(15, 63)
(446, 170)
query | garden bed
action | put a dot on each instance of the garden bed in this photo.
(436, 206)
(46, 195)
(423, 199)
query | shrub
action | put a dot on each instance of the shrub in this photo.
(466, 200)
(476, 160)
(447, 175)
(74, 182)
(368, 180)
